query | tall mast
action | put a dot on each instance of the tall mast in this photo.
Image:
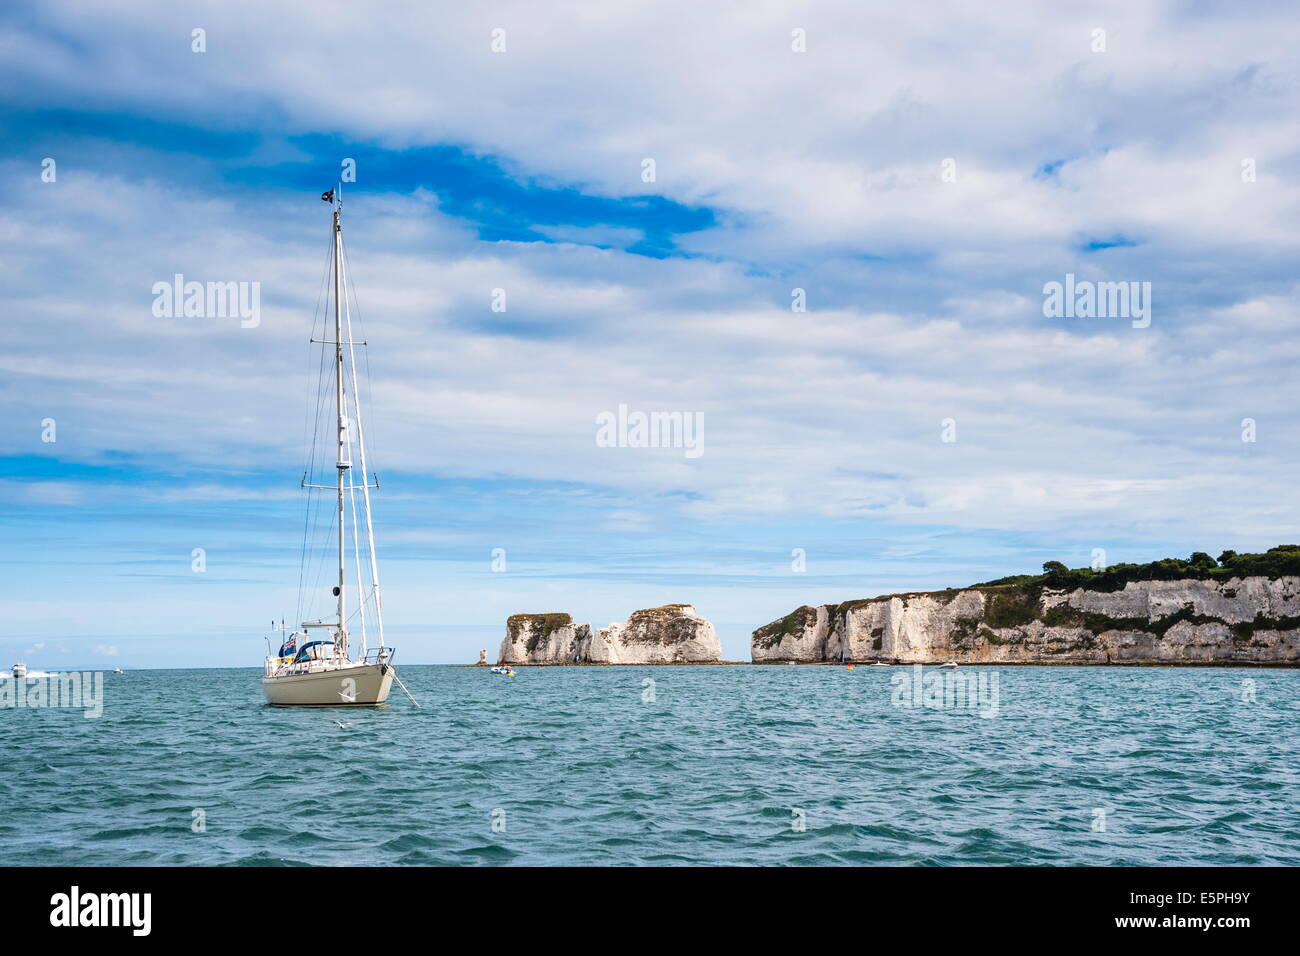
(342, 462)
(365, 494)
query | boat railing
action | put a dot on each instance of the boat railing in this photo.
(379, 655)
(280, 667)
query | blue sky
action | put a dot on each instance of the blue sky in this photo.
(522, 170)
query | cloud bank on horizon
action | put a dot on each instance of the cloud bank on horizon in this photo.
(913, 178)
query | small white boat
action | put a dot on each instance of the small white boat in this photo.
(880, 664)
(949, 665)
(117, 670)
(501, 669)
(20, 670)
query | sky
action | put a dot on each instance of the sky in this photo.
(913, 176)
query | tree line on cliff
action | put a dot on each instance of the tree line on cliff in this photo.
(1274, 563)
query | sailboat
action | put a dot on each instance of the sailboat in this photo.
(312, 671)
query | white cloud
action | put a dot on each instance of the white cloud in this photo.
(806, 412)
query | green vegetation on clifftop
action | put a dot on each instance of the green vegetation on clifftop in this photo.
(769, 635)
(1274, 563)
(544, 625)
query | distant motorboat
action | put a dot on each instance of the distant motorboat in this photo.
(949, 665)
(499, 669)
(20, 670)
(880, 664)
(117, 670)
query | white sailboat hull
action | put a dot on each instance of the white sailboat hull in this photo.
(360, 685)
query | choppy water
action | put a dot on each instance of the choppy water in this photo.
(583, 770)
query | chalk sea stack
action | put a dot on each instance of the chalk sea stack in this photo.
(672, 634)
(1240, 609)
(543, 639)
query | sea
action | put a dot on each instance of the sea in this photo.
(670, 765)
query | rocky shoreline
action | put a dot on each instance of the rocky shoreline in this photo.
(1237, 610)
(718, 663)
(1246, 665)
(1249, 620)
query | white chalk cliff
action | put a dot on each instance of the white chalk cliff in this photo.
(673, 634)
(1239, 620)
(542, 639)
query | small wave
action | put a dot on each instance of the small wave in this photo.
(487, 853)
